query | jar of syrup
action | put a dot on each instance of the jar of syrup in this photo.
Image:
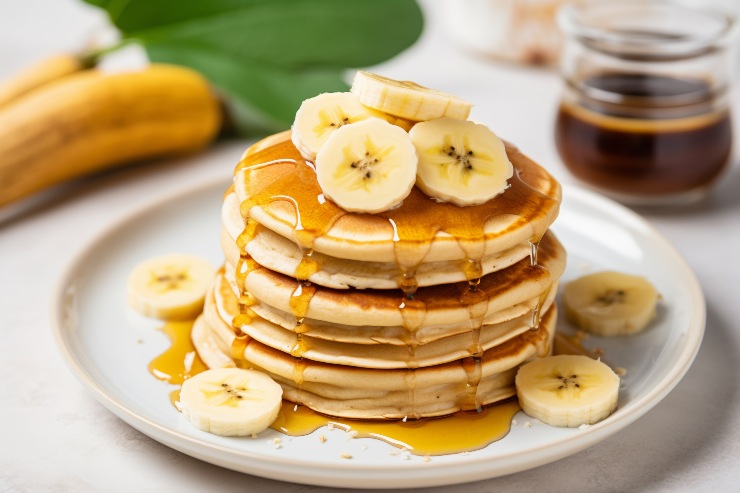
(644, 116)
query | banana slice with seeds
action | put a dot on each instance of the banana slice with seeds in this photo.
(170, 287)
(567, 390)
(231, 401)
(368, 166)
(407, 100)
(318, 117)
(460, 161)
(610, 303)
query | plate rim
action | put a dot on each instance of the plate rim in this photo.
(442, 473)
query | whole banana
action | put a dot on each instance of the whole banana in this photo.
(91, 120)
(41, 73)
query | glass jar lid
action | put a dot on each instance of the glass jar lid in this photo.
(647, 30)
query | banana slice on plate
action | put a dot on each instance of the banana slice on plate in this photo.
(460, 161)
(170, 287)
(406, 99)
(231, 401)
(369, 166)
(567, 390)
(610, 303)
(318, 117)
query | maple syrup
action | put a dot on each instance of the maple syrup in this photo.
(180, 361)
(630, 148)
(456, 433)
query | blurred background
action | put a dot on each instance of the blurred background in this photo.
(502, 55)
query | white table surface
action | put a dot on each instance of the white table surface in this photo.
(55, 437)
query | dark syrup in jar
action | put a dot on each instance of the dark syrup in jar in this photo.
(644, 135)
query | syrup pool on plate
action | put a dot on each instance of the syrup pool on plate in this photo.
(180, 361)
(456, 433)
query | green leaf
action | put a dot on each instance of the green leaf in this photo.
(261, 96)
(266, 56)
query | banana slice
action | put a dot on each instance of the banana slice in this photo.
(404, 124)
(368, 166)
(460, 161)
(406, 99)
(170, 287)
(231, 401)
(320, 116)
(567, 390)
(610, 303)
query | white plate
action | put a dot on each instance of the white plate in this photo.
(108, 350)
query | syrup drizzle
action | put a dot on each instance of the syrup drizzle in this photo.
(307, 266)
(246, 315)
(474, 372)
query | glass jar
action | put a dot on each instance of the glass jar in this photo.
(644, 116)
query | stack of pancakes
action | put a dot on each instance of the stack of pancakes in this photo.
(419, 311)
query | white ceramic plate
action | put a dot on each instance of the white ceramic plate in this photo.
(108, 349)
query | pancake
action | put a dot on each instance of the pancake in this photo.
(222, 307)
(210, 347)
(278, 189)
(282, 255)
(364, 393)
(447, 303)
(396, 335)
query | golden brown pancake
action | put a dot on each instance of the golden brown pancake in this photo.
(282, 255)
(278, 189)
(444, 303)
(365, 393)
(221, 307)
(396, 335)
